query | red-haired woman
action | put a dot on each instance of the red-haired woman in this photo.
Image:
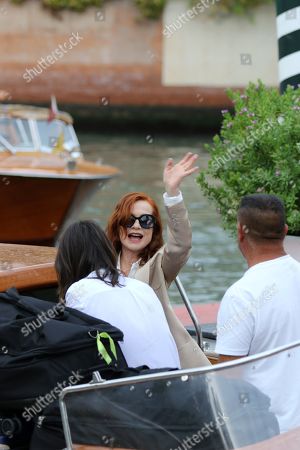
(135, 230)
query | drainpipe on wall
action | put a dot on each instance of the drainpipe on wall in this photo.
(288, 31)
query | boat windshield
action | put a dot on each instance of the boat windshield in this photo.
(238, 405)
(15, 134)
(51, 132)
(18, 134)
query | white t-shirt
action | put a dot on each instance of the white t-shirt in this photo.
(260, 312)
(136, 311)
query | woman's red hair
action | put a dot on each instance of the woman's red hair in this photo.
(120, 216)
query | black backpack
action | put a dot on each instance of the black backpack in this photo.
(39, 355)
(45, 347)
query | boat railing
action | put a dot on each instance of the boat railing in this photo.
(190, 310)
(167, 409)
(7, 145)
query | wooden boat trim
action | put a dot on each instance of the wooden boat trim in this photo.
(57, 174)
(28, 277)
(37, 164)
(33, 112)
(26, 267)
(213, 357)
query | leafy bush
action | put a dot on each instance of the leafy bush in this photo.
(235, 6)
(152, 8)
(257, 150)
(149, 8)
(75, 5)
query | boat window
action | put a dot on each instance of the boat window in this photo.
(24, 131)
(246, 404)
(51, 131)
(16, 132)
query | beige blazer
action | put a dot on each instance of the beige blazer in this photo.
(162, 269)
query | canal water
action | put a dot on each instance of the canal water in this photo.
(215, 262)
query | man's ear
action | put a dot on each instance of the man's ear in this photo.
(286, 229)
(241, 231)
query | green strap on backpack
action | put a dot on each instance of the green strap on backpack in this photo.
(102, 350)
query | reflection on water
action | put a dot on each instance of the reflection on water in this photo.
(215, 262)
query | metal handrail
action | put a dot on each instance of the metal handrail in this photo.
(6, 144)
(139, 379)
(190, 310)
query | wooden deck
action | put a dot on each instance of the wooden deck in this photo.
(26, 266)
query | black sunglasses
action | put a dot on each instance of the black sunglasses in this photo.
(145, 220)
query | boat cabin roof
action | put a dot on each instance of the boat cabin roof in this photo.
(33, 112)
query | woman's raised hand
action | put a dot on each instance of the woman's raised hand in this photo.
(175, 173)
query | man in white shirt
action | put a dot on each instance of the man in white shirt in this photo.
(261, 311)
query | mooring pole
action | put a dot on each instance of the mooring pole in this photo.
(288, 31)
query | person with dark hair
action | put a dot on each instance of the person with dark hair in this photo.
(261, 311)
(263, 216)
(89, 281)
(135, 230)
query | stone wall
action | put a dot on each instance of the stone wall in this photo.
(219, 51)
(109, 56)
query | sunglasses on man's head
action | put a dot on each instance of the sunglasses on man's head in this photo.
(145, 220)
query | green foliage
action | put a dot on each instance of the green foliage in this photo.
(257, 150)
(151, 9)
(239, 7)
(75, 5)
